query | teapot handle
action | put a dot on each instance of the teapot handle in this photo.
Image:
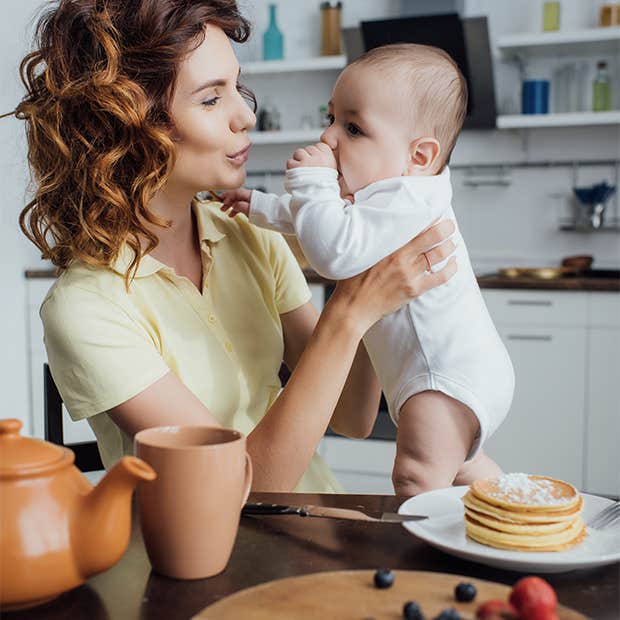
(248, 478)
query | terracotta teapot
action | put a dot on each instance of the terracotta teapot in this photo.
(56, 530)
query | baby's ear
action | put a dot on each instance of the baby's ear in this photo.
(423, 154)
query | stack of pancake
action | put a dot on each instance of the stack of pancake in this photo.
(524, 513)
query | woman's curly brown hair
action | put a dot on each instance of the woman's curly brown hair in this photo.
(98, 88)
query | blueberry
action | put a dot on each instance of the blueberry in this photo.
(384, 578)
(412, 611)
(465, 592)
(448, 614)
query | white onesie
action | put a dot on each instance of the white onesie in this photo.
(443, 340)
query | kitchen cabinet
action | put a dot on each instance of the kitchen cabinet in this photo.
(361, 466)
(545, 334)
(565, 418)
(602, 463)
(543, 432)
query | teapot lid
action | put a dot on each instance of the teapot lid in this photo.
(23, 456)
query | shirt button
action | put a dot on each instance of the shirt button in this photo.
(229, 347)
(212, 318)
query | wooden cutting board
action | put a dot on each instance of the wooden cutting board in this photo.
(351, 595)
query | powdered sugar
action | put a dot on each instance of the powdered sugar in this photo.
(521, 489)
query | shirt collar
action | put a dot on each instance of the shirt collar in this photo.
(207, 228)
(207, 231)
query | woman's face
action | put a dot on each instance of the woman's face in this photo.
(210, 117)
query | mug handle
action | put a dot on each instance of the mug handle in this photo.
(248, 478)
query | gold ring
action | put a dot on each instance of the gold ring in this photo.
(428, 262)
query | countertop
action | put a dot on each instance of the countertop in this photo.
(274, 547)
(571, 283)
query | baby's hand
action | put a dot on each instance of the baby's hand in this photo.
(313, 155)
(238, 201)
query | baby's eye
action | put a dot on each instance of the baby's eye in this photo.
(209, 103)
(330, 119)
(353, 129)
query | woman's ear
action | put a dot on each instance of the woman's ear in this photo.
(423, 153)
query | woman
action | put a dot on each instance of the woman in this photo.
(166, 310)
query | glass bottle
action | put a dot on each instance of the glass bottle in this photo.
(273, 41)
(330, 28)
(551, 16)
(601, 88)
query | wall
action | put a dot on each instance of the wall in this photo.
(503, 225)
(16, 253)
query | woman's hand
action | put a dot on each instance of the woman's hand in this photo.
(399, 277)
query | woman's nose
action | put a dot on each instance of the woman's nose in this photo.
(243, 118)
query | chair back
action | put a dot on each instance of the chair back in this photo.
(87, 456)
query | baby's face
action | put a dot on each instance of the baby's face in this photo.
(369, 131)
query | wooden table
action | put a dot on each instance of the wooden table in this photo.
(274, 547)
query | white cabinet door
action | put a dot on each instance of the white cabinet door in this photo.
(360, 465)
(543, 432)
(603, 413)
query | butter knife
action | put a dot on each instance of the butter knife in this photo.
(308, 510)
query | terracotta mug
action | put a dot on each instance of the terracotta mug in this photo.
(190, 514)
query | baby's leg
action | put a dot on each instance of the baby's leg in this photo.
(481, 466)
(435, 435)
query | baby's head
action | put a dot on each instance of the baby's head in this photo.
(395, 111)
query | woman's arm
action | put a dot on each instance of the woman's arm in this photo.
(283, 442)
(358, 404)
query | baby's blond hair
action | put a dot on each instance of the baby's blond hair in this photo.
(436, 88)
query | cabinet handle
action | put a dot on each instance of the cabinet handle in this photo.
(527, 337)
(529, 302)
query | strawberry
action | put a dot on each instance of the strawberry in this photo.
(533, 592)
(496, 610)
(537, 613)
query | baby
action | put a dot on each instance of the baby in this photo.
(378, 177)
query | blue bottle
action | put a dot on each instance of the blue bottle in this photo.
(273, 41)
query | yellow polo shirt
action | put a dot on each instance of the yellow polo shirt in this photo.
(106, 345)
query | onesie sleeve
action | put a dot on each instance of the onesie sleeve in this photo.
(341, 240)
(272, 212)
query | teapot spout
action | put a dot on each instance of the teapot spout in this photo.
(102, 523)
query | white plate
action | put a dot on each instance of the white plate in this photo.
(446, 530)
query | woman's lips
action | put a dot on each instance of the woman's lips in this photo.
(240, 157)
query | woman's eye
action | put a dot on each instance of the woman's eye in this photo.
(330, 119)
(209, 103)
(354, 130)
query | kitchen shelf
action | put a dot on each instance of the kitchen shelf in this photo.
(319, 63)
(591, 41)
(573, 119)
(612, 226)
(297, 136)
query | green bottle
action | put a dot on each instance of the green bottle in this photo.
(601, 89)
(551, 16)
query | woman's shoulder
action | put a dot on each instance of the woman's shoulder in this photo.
(80, 287)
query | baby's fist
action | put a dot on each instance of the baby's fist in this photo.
(313, 155)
